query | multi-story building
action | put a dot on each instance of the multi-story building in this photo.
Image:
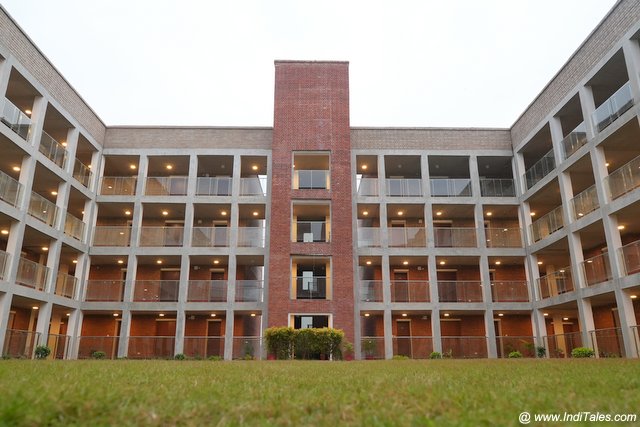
(151, 241)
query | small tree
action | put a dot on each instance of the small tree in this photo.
(280, 342)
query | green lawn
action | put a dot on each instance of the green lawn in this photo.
(297, 393)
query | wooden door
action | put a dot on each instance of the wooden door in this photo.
(403, 333)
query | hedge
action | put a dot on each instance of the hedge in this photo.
(310, 343)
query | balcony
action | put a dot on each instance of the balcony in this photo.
(251, 237)
(87, 345)
(464, 347)
(497, 187)
(613, 107)
(42, 209)
(585, 202)
(210, 237)
(547, 224)
(82, 173)
(249, 290)
(455, 237)
(31, 274)
(105, 290)
(510, 291)
(624, 180)
(404, 187)
(118, 186)
(207, 291)
(253, 186)
(597, 269)
(460, 291)
(630, 255)
(503, 237)
(414, 347)
(311, 287)
(204, 347)
(367, 187)
(450, 187)
(151, 347)
(156, 290)
(10, 190)
(410, 291)
(561, 345)
(371, 290)
(407, 237)
(556, 283)
(312, 231)
(540, 169)
(66, 285)
(20, 344)
(161, 236)
(74, 227)
(214, 186)
(53, 150)
(111, 235)
(576, 139)
(15, 119)
(608, 342)
(166, 186)
(4, 259)
(311, 179)
(368, 237)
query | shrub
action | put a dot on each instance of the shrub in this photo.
(347, 350)
(215, 358)
(180, 356)
(541, 351)
(6, 356)
(581, 352)
(515, 355)
(99, 355)
(280, 342)
(248, 357)
(42, 352)
(435, 355)
(400, 357)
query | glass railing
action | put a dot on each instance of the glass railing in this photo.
(561, 345)
(251, 237)
(503, 237)
(53, 150)
(74, 227)
(32, 274)
(87, 345)
(43, 209)
(585, 202)
(407, 237)
(161, 236)
(597, 269)
(410, 291)
(15, 119)
(497, 187)
(404, 187)
(20, 344)
(455, 347)
(510, 291)
(413, 347)
(312, 231)
(214, 186)
(576, 139)
(118, 186)
(556, 283)
(59, 345)
(608, 342)
(203, 347)
(371, 290)
(10, 190)
(255, 186)
(311, 287)
(635, 331)
(204, 237)
(4, 259)
(207, 291)
(82, 173)
(372, 348)
(523, 344)
(249, 290)
(450, 187)
(630, 255)
(111, 235)
(367, 187)
(247, 348)
(455, 237)
(624, 179)
(66, 285)
(460, 291)
(151, 347)
(166, 186)
(104, 290)
(156, 290)
(540, 169)
(613, 107)
(368, 237)
(310, 179)
(547, 224)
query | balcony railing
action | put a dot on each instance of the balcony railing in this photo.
(310, 179)
(410, 291)
(53, 150)
(32, 274)
(87, 345)
(371, 290)
(368, 237)
(82, 173)
(503, 237)
(161, 236)
(404, 187)
(450, 187)
(59, 345)
(255, 186)
(312, 231)
(576, 139)
(635, 331)
(556, 283)
(585, 202)
(203, 237)
(156, 290)
(510, 291)
(613, 107)
(203, 347)
(367, 187)
(166, 186)
(630, 255)
(151, 347)
(104, 290)
(42, 209)
(407, 237)
(207, 291)
(414, 347)
(251, 237)
(597, 269)
(624, 180)
(464, 347)
(311, 287)
(497, 187)
(561, 345)
(460, 291)
(15, 119)
(74, 227)
(455, 237)
(547, 224)
(608, 342)
(372, 348)
(247, 348)
(66, 285)
(20, 344)
(507, 344)
(10, 190)
(4, 259)
(214, 186)
(540, 169)
(118, 186)
(249, 290)
(111, 235)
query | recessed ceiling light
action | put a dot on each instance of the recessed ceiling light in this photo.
(365, 213)
(438, 213)
(498, 262)
(607, 164)
(580, 214)
(82, 212)
(64, 144)
(165, 213)
(634, 296)
(127, 212)
(364, 167)
(405, 262)
(16, 168)
(223, 213)
(443, 262)
(500, 314)
(368, 262)
(545, 314)
(366, 315)
(215, 261)
(400, 213)
(5, 232)
(68, 314)
(120, 261)
(255, 213)
(446, 315)
(621, 227)
(254, 167)
(132, 166)
(27, 112)
(54, 193)
(532, 214)
(404, 314)
(565, 318)
(539, 262)
(489, 213)
(253, 315)
(161, 314)
(115, 314)
(213, 315)
(159, 261)
(75, 261)
(44, 248)
(169, 167)
(35, 307)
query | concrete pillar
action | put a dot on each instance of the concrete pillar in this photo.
(588, 106)
(627, 320)
(585, 317)
(386, 298)
(125, 331)
(388, 333)
(5, 309)
(74, 332)
(43, 322)
(631, 51)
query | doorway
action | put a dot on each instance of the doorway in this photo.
(403, 334)
(214, 337)
(400, 286)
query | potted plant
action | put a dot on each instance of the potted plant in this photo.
(369, 348)
(347, 351)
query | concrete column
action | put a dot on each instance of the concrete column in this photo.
(43, 322)
(631, 51)
(180, 325)
(558, 330)
(71, 147)
(433, 294)
(37, 120)
(627, 320)
(388, 333)
(125, 331)
(5, 73)
(424, 172)
(588, 107)
(386, 298)
(539, 328)
(492, 351)
(5, 309)
(74, 332)
(557, 135)
(228, 332)
(585, 316)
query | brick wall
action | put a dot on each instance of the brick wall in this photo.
(603, 317)
(431, 138)
(514, 325)
(98, 325)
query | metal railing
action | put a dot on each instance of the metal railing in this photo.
(635, 331)
(574, 140)
(66, 285)
(74, 227)
(372, 348)
(410, 291)
(118, 185)
(156, 290)
(368, 237)
(466, 347)
(161, 236)
(214, 186)
(204, 347)
(312, 231)
(166, 186)
(82, 173)
(624, 179)
(585, 202)
(367, 187)
(613, 107)
(15, 119)
(407, 237)
(540, 169)
(203, 237)
(547, 224)
(310, 179)
(311, 287)
(207, 291)
(415, 347)
(20, 344)
(503, 237)
(10, 190)
(43, 209)
(88, 345)
(455, 237)
(630, 255)
(371, 290)
(249, 290)
(404, 187)
(251, 237)
(53, 150)
(597, 269)
(523, 344)
(608, 342)
(450, 187)
(4, 259)
(561, 345)
(151, 347)
(460, 290)
(497, 187)
(556, 283)
(247, 348)
(510, 291)
(107, 235)
(104, 290)
(256, 186)
(32, 274)
(59, 345)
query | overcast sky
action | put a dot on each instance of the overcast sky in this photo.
(412, 63)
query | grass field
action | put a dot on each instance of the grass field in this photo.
(297, 393)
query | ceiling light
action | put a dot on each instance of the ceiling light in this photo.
(400, 213)
(54, 193)
(364, 167)
(169, 167)
(561, 271)
(446, 315)
(120, 261)
(256, 213)
(132, 166)
(159, 261)
(254, 167)
(438, 213)
(590, 261)
(75, 261)
(443, 262)
(213, 315)
(127, 212)
(27, 112)
(545, 314)
(110, 187)
(35, 307)
(634, 296)
(607, 164)
(565, 318)
(165, 213)
(621, 227)
(215, 261)
(539, 262)
(82, 212)
(404, 314)
(16, 168)
(368, 262)
(68, 314)
(5, 232)
(498, 262)
(44, 248)
(405, 262)
(64, 144)
(223, 213)
(500, 314)
(365, 213)
(253, 315)
(532, 214)
(161, 314)
(489, 213)
(580, 214)
(366, 315)
(88, 166)
(115, 314)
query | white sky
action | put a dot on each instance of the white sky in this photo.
(412, 63)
